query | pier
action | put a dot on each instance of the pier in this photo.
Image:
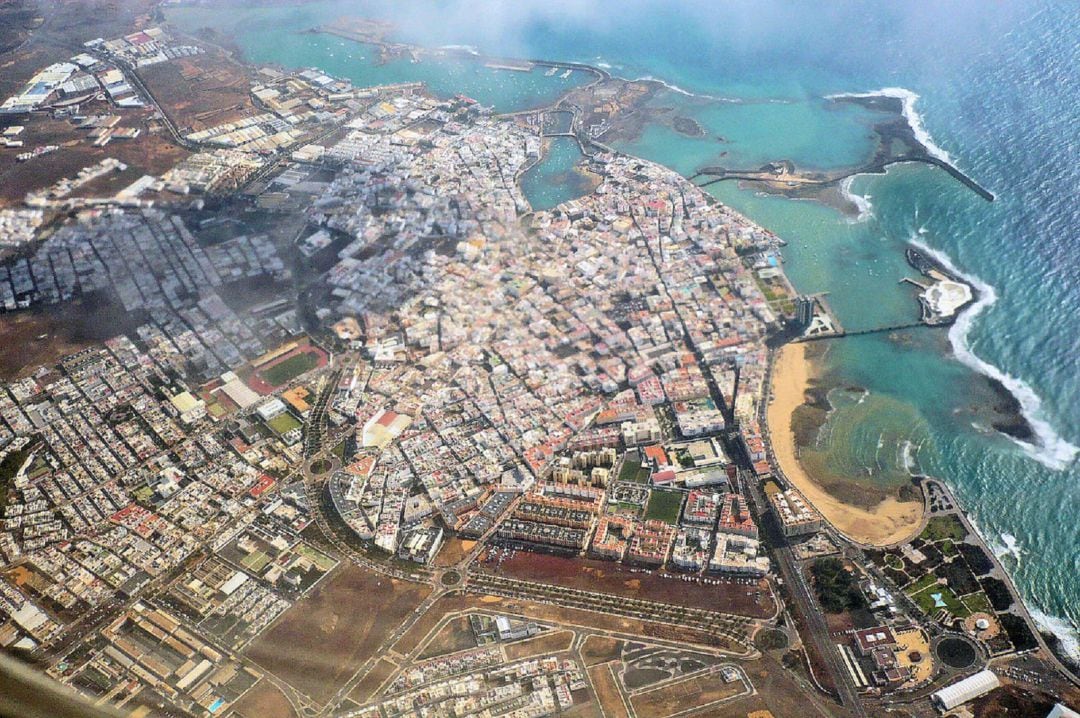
(789, 177)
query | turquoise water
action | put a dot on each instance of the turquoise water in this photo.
(553, 180)
(997, 90)
(271, 35)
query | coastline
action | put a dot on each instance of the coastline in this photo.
(890, 522)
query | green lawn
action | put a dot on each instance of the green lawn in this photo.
(940, 528)
(664, 505)
(255, 562)
(977, 603)
(927, 580)
(284, 372)
(324, 562)
(926, 602)
(633, 471)
(284, 423)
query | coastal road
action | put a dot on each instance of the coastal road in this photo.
(816, 629)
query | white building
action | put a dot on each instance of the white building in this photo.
(966, 690)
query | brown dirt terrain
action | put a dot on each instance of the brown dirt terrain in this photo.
(607, 692)
(65, 328)
(554, 614)
(328, 635)
(616, 579)
(262, 701)
(200, 91)
(453, 637)
(369, 684)
(601, 649)
(453, 550)
(545, 643)
(684, 695)
(149, 153)
(777, 692)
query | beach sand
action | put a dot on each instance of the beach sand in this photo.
(891, 521)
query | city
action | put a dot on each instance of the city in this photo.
(354, 431)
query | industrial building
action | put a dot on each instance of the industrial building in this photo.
(966, 690)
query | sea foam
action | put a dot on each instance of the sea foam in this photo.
(861, 202)
(1051, 449)
(682, 91)
(1066, 631)
(914, 119)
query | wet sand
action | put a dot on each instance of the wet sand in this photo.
(891, 521)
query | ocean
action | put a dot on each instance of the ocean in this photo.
(989, 86)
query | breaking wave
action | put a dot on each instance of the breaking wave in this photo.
(1051, 450)
(861, 202)
(914, 119)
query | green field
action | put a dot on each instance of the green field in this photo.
(633, 471)
(664, 505)
(977, 603)
(927, 605)
(255, 562)
(928, 579)
(940, 528)
(284, 423)
(283, 372)
(324, 562)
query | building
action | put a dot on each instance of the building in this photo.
(1060, 711)
(966, 690)
(420, 545)
(636, 433)
(735, 517)
(794, 512)
(738, 556)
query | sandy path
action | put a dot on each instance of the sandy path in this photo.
(889, 522)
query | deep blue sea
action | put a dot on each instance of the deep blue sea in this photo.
(997, 92)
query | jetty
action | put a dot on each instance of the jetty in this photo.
(783, 173)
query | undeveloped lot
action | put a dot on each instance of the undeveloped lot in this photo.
(613, 578)
(264, 700)
(607, 692)
(327, 636)
(684, 695)
(545, 643)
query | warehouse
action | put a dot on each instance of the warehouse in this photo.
(966, 690)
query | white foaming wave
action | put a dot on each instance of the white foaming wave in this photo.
(907, 455)
(682, 91)
(1006, 545)
(914, 119)
(470, 49)
(861, 202)
(1051, 449)
(1066, 631)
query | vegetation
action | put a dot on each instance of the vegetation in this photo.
(837, 589)
(977, 603)
(10, 466)
(664, 505)
(940, 528)
(927, 601)
(285, 371)
(633, 471)
(283, 423)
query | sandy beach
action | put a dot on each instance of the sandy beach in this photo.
(889, 522)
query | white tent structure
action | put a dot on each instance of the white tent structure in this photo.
(966, 690)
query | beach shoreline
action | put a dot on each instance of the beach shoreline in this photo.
(889, 522)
